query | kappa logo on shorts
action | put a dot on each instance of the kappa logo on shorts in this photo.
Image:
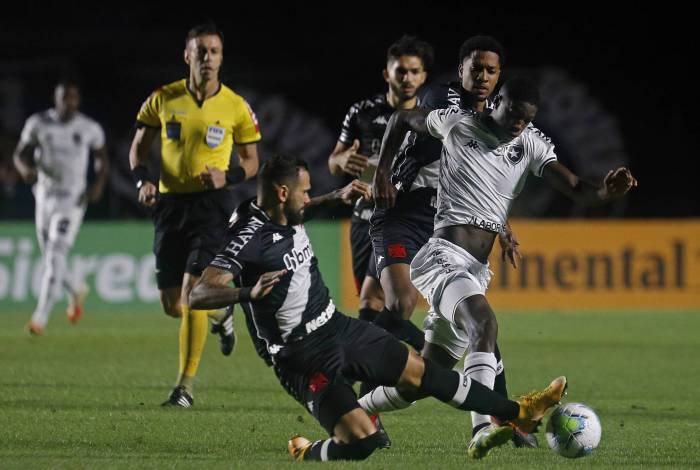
(318, 382)
(397, 250)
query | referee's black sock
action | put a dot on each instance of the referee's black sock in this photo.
(358, 450)
(457, 390)
(368, 314)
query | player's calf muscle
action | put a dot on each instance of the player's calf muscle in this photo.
(412, 373)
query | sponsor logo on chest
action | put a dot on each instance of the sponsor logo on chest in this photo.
(298, 257)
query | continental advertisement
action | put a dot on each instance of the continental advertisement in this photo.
(566, 265)
(594, 264)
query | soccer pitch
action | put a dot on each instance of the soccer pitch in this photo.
(88, 396)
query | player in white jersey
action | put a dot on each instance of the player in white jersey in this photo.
(53, 155)
(483, 167)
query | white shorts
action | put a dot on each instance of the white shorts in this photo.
(446, 274)
(448, 336)
(58, 221)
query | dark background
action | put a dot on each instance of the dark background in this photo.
(636, 65)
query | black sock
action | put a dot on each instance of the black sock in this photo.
(412, 335)
(390, 321)
(453, 388)
(368, 314)
(402, 329)
(499, 386)
(358, 450)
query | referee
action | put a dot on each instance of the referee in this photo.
(198, 120)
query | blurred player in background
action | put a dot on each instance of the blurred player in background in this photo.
(199, 121)
(53, 154)
(357, 153)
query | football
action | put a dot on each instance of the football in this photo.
(573, 430)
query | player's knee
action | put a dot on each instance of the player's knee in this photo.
(475, 316)
(170, 306)
(402, 304)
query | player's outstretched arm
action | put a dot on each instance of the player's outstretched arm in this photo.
(213, 289)
(138, 160)
(616, 184)
(401, 122)
(347, 195)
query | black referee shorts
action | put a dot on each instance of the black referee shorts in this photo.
(189, 231)
(318, 371)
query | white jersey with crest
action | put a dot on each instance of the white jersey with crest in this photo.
(62, 151)
(480, 176)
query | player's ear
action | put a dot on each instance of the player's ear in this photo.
(385, 74)
(282, 192)
(460, 70)
(186, 56)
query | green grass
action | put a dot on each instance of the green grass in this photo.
(88, 396)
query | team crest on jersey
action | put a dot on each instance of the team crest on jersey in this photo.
(215, 135)
(515, 153)
(77, 139)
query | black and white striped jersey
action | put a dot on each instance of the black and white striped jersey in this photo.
(300, 303)
(418, 164)
(366, 121)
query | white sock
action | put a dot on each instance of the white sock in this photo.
(481, 366)
(51, 283)
(383, 399)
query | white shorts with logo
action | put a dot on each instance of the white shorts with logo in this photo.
(58, 221)
(446, 274)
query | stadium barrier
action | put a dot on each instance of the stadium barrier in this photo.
(592, 264)
(566, 265)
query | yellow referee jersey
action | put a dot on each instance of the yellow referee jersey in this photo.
(195, 134)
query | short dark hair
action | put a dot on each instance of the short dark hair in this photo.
(523, 89)
(482, 43)
(68, 82)
(204, 29)
(281, 169)
(412, 46)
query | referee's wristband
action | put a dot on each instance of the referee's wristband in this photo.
(244, 294)
(141, 174)
(235, 175)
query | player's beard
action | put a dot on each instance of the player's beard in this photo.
(294, 218)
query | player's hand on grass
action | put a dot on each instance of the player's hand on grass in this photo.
(147, 194)
(383, 191)
(618, 182)
(213, 178)
(509, 247)
(355, 190)
(352, 162)
(265, 284)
